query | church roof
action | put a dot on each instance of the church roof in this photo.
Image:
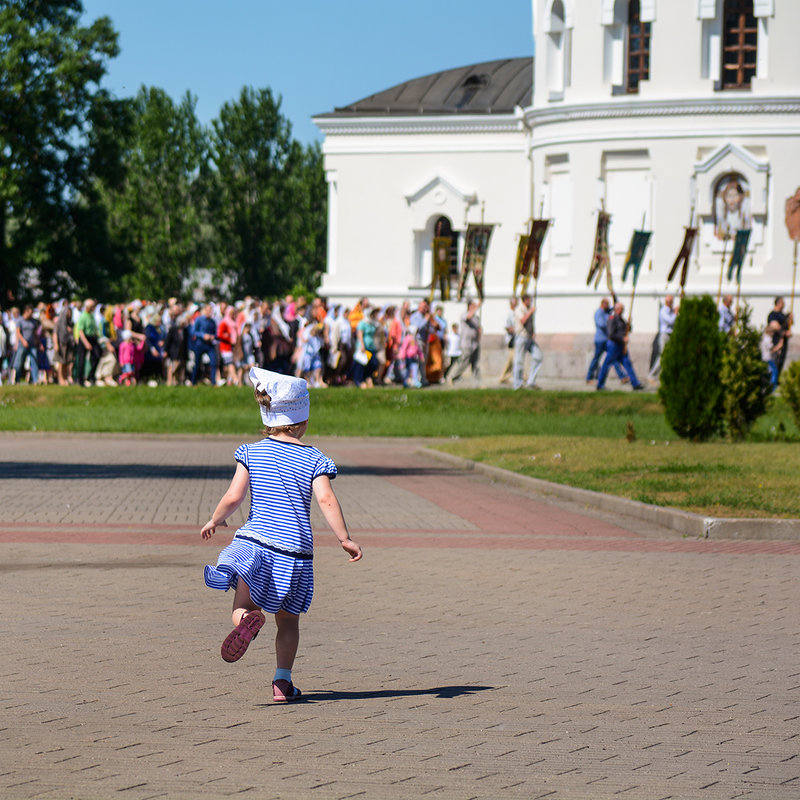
(493, 87)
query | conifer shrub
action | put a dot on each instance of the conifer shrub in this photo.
(691, 390)
(744, 377)
(790, 389)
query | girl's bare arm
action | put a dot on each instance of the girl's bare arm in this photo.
(332, 511)
(231, 500)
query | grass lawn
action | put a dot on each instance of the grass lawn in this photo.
(719, 479)
(576, 438)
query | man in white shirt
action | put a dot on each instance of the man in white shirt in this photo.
(666, 322)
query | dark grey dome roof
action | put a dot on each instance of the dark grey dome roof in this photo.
(493, 87)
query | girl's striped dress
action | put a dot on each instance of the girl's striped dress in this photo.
(272, 552)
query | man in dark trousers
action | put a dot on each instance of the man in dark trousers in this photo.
(617, 350)
(781, 337)
(205, 333)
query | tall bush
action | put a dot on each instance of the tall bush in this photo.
(744, 377)
(790, 389)
(690, 389)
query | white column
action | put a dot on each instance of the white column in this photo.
(331, 176)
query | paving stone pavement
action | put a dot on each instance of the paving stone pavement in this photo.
(491, 644)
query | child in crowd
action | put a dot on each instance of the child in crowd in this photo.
(107, 366)
(269, 561)
(245, 352)
(409, 355)
(130, 347)
(311, 366)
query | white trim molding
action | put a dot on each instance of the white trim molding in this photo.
(424, 123)
(664, 108)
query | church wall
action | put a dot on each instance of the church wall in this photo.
(388, 201)
(663, 148)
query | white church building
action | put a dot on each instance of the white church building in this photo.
(666, 115)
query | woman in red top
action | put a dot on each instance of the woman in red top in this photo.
(226, 335)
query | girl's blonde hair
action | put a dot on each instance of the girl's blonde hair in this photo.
(263, 399)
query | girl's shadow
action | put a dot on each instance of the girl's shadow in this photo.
(441, 692)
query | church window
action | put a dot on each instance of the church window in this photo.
(557, 50)
(628, 39)
(638, 48)
(739, 44)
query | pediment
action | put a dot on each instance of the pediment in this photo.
(734, 155)
(439, 190)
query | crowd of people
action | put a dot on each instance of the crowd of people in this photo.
(413, 345)
(96, 344)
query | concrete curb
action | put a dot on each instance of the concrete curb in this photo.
(683, 522)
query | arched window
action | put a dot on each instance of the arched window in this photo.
(444, 228)
(739, 44)
(731, 205)
(638, 48)
(558, 47)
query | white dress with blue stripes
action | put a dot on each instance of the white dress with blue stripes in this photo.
(272, 552)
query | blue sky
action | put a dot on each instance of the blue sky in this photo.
(315, 54)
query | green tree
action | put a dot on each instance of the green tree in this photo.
(270, 199)
(790, 389)
(158, 213)
(690, 388)
(55, 137)
(744, 377)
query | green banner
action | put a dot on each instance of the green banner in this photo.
(636, 251)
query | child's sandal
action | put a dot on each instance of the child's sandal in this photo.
(238, 640)
(284, 691)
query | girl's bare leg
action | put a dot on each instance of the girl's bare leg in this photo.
(286, 639)
(242, 602)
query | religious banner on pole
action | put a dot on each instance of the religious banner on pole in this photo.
(738, 254)
(441, 266)
(793, 226)
(520, 267)
(636, 250)
(476, 246)
(682, 259)
(793, 216)
(529, 256)
(600, 259)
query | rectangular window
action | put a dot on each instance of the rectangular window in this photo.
(739, 44)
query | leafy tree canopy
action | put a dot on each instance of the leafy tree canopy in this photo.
(269, 207)
(158, 212)
(56, 132)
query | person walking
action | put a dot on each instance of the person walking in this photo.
(617, 350)
(87, 344)
(525, 343)
(783, 333)
(27, 347)
(508, 336)
(269, 563)
(666, 322)
(600, 343)
(205, 337)
(470, 344)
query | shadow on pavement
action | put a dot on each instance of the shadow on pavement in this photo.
(39, 470)
(441, 692)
